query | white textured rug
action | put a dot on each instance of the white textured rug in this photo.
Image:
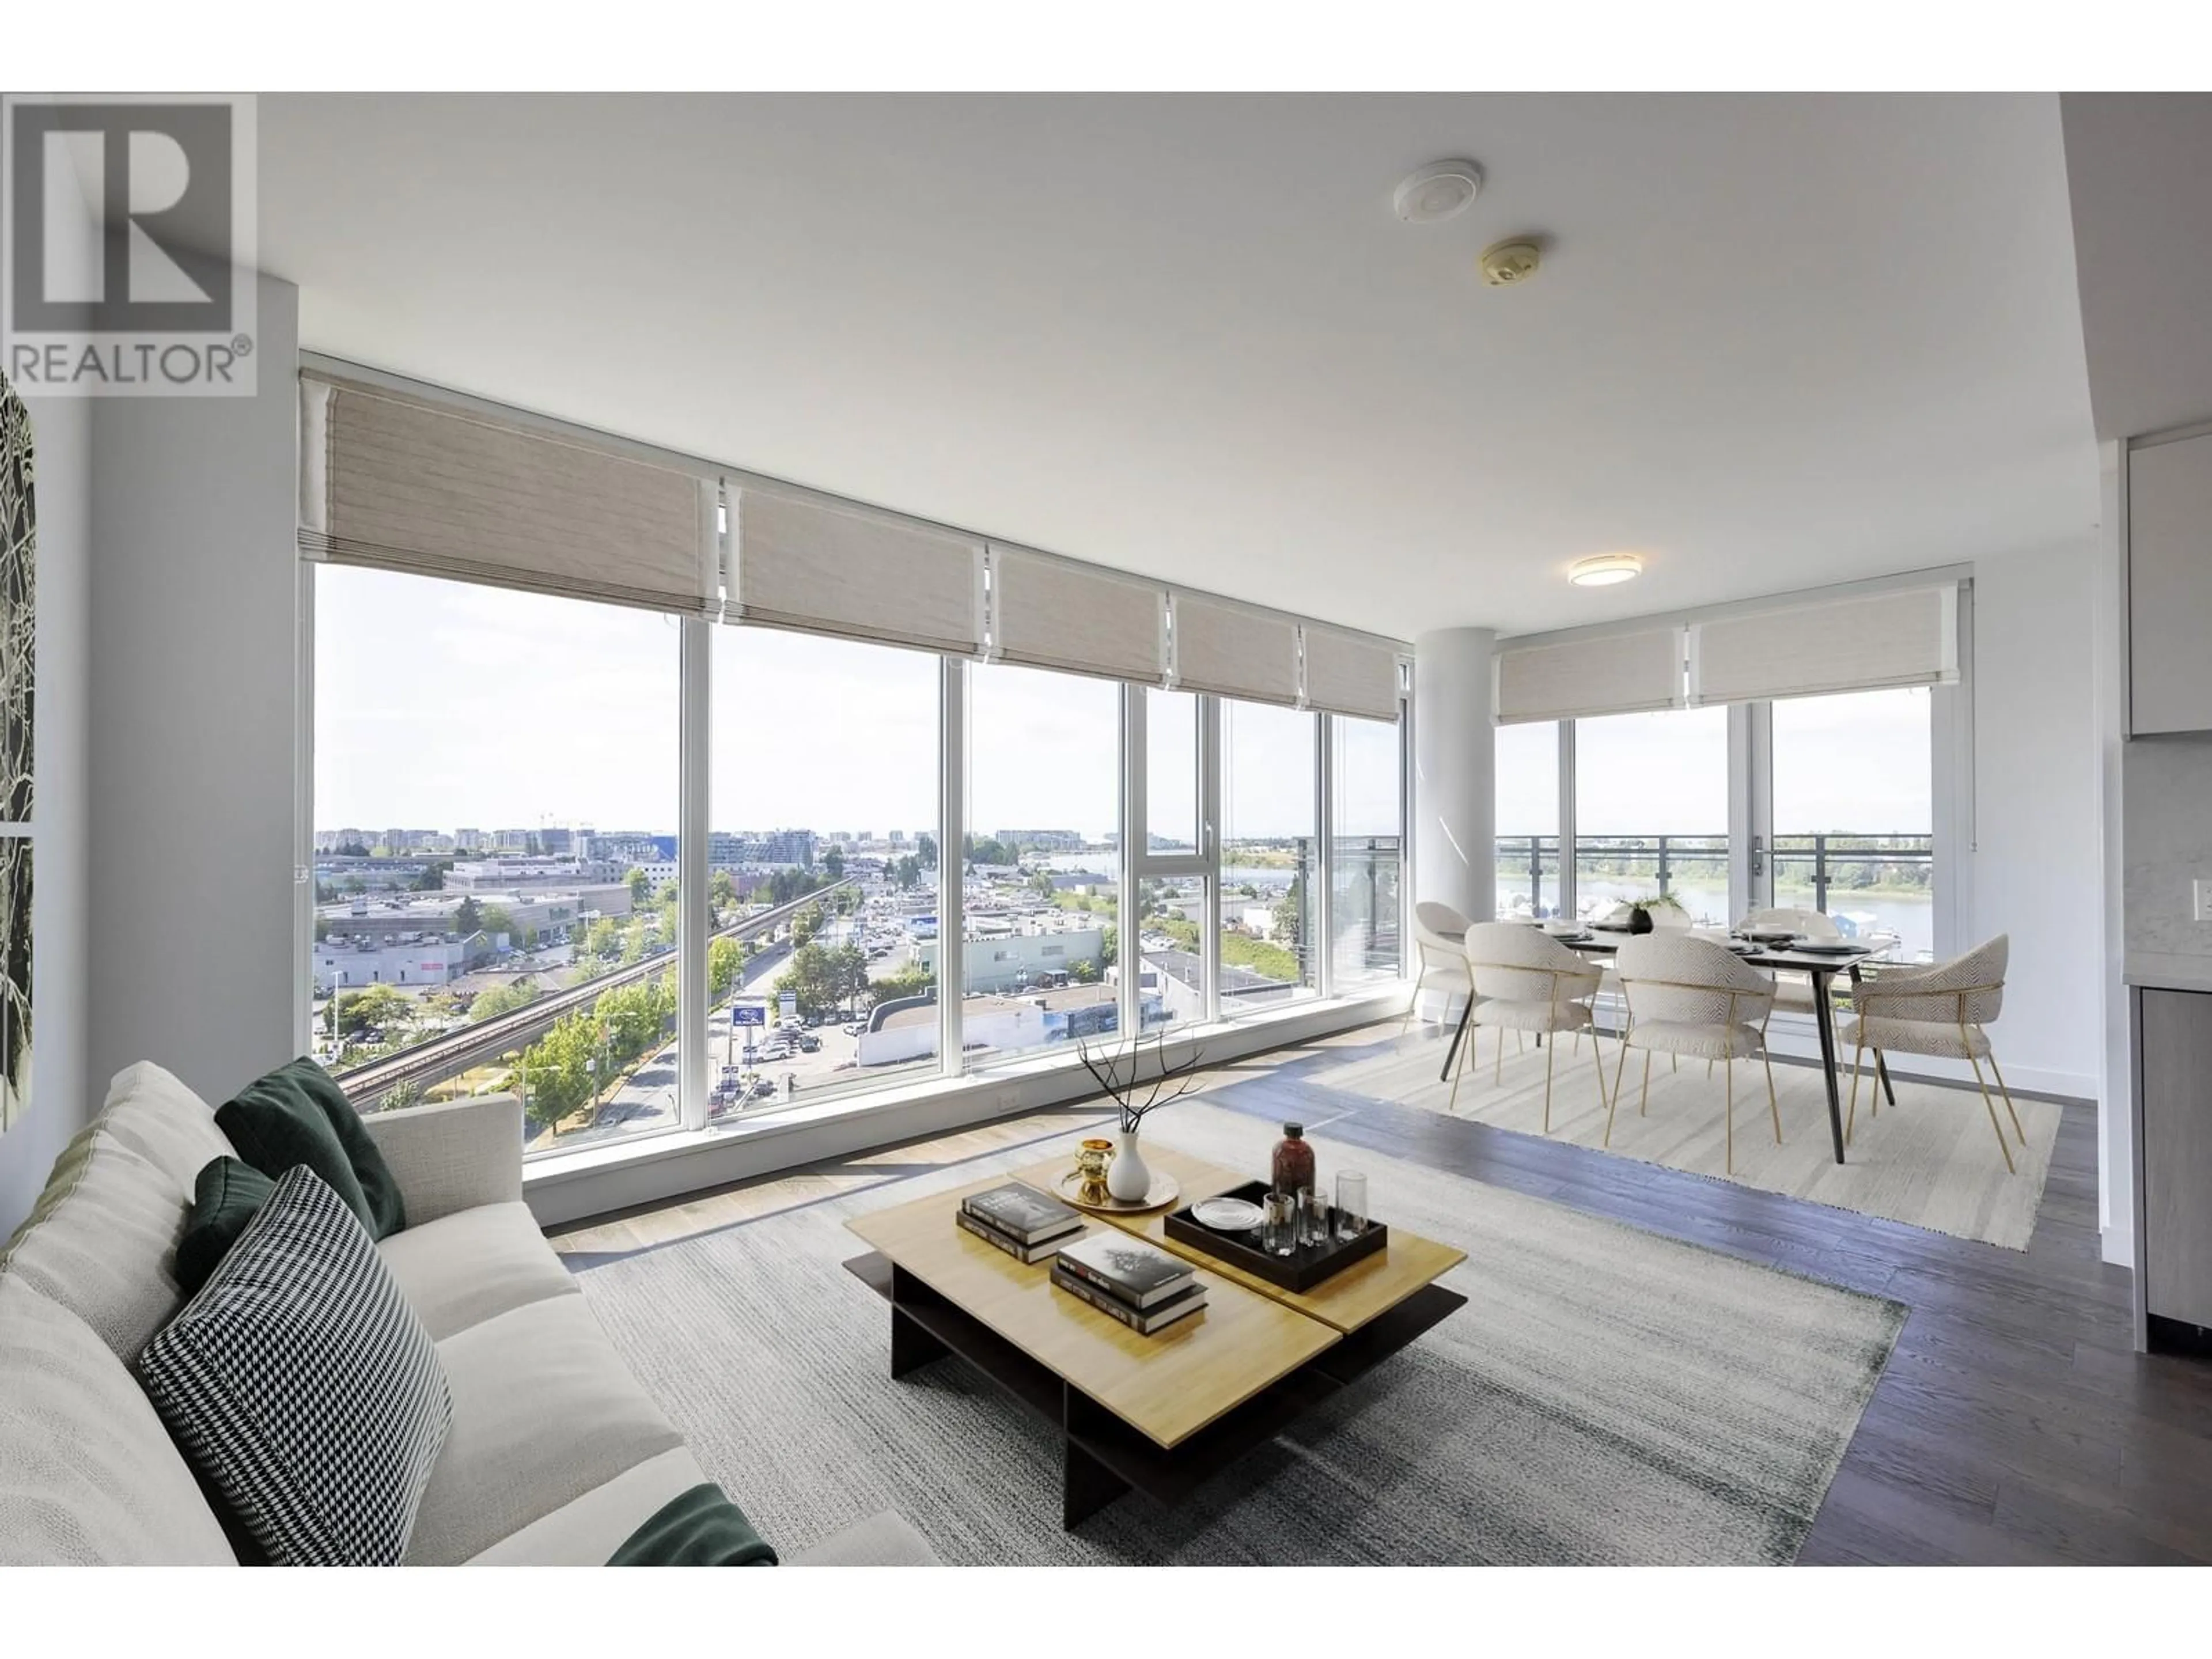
(1930, 1161)
(1606, 1395)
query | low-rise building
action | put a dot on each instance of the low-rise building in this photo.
(1014, 961)
(344, 965)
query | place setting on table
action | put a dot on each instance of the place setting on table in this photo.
(1770, 946)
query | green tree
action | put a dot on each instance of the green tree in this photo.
(805, 924)
(1041, 883)
(641, 886)
(352, 850)
(1110, 952)
(910, 872)
(604, 940)
(399, 1097)
(322, 930)
(354, 884)
(503, 1000)
(634, 940)
(557, 1070)
(373, 1008)
(497, 919)
(433, 878)
(1085, 972)
(925, 847)
(722, 891)
(912, 981)
(468, 916)
(725, 960)
(833, 861)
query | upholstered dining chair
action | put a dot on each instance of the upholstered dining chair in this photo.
(1794, 991)
(1938, 1010)
(1691, 996)
(1522, 980)
(1438, 935)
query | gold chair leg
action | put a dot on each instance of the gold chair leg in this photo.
(1773, 1105)
(1551, 1053)
(2010, 1111)
(1645, 1099)
(1728, 1160)
(2003, 1146)
(1851, 1117)
(1597, 1064)
(1619, 1066)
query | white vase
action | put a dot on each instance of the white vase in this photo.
(1127, 1177)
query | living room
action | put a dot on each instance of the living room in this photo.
(1145, 828)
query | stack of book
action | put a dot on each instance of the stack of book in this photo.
(1126, 1279)
(1027, 1224)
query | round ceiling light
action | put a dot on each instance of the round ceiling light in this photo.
(1432, 194)
(1605, 570)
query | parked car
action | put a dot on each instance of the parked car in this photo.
(762, 1088)
(855, 1027)
(808, 1043)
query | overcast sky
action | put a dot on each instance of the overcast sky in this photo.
(440, 706)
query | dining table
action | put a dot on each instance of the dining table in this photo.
(1819, 965)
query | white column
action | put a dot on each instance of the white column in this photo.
(1455, 797)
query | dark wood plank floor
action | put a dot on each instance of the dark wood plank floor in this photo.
(2013, 1425)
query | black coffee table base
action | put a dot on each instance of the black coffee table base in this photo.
(1103, 1455)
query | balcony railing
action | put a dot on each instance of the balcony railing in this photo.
(1890, 868)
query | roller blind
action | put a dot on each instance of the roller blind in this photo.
(830, 570)
(1049, 613)
(1612, 674)
(1351, 673)
(1908, 637)
(1235, 653)
(391, 482)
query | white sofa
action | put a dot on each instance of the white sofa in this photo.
(556, 1454)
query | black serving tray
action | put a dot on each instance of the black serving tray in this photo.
(1305, 1268)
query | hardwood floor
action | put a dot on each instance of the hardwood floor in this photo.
(2013, 1425)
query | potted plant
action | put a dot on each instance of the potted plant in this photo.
(1640, 909)
(1119, 1074)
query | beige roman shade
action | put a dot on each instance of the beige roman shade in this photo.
(852, 572)
(388, 481)
(1235, 651)
(1054, 613)
(1349, 673)
(1609, 674)
(1904, 637)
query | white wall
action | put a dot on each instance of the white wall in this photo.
(2036, 870)
(61, 1096)
(194, 592)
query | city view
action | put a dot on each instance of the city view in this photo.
(497, 888)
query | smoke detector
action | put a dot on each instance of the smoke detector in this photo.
(1511, 261)
(1432, 194)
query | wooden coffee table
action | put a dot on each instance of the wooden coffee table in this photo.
(1160, 1413)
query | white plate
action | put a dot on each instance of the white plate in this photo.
(1227, 1215)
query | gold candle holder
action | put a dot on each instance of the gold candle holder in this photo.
(1091, 1161)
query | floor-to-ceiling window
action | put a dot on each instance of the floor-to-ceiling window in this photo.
(1170, 894)
(1045, 801)
(1269, 856)
(1526, 770)
(1366, 861)
(822, 860)
(1651, 812)
(1854, 815)
(495, 805)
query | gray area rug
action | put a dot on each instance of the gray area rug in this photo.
(1930, 1161)
(1608, 1396)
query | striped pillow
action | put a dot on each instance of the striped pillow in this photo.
(303, 1386)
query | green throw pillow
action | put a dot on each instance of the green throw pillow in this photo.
(228, 1195)
(699, 1528)
(298, 1114)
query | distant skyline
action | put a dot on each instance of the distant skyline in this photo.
(440, 706)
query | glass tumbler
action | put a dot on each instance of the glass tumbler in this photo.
(1279, 1232)
(1351, 1203)
(1313, 1217)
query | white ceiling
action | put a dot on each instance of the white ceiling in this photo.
(1777, 341)
(2137, 164)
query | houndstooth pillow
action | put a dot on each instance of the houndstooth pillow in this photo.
(303, 1386)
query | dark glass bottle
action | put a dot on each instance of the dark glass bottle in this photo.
(1294, 1160)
